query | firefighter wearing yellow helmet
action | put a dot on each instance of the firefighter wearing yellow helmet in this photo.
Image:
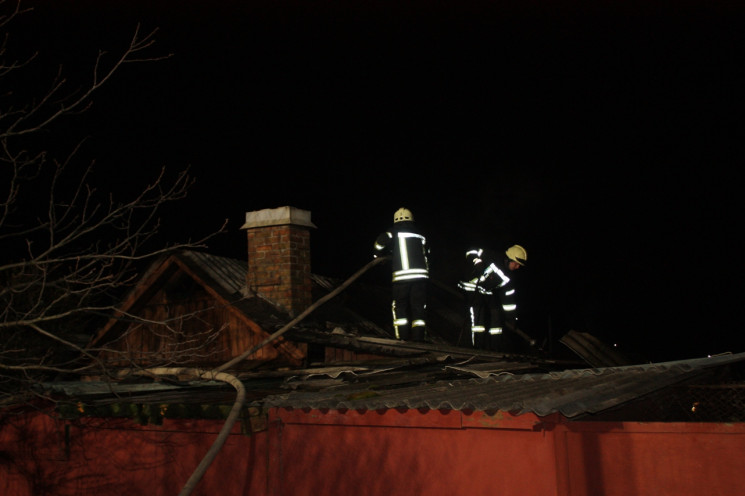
(489, 291)
(403, 215)
(517, 254)
(407, 247)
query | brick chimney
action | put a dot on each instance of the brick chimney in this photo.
(279, 256)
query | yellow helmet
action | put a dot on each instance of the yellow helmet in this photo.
(517, 253)
(402, 214)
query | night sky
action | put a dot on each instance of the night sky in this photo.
(605, 138)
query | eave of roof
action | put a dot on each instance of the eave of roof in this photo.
(423, 383)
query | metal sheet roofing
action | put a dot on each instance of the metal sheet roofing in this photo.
(570, 392)
(425, 384)
(431, 376)
(228, 273)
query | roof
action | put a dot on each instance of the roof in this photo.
(445, 383)
(224, 279)
(362, 309)
(430, 376)
(572, 393)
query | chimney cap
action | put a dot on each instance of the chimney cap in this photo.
(277, 217)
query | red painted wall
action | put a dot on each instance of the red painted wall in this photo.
(374, 453)
(119, 457)
(620, 459)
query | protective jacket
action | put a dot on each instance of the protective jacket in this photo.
(487, 273)
(408, 249)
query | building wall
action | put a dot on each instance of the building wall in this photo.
(88, 457)
(625, 458)
(373, 453)
(195, 330)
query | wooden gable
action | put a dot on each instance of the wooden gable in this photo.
(181, 314)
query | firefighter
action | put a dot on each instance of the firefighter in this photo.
(407, 247)
(490, 294)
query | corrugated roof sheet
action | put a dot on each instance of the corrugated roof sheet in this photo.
(418, 376)
(423, 384)
(570, 392)
(594, 352)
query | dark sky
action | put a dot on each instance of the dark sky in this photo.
(605, 137)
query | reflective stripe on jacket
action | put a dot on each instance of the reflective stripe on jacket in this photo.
(485, 275)
(408, 249)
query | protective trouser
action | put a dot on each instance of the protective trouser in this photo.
(409, 309)
(485, 313)
(476, 318)
(496, 322)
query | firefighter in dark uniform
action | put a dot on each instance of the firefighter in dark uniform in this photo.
(407, 247)
(490, 294)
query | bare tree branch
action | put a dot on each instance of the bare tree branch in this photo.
(70, 248)
(27, 122)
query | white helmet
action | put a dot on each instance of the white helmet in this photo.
(402, 214)
(517, 253)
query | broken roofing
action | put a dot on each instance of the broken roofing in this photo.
(648, 392)
(430, 376)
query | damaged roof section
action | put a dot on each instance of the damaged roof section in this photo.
(338, 353)
(689, 390)
(380, 372)
(573, 393)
